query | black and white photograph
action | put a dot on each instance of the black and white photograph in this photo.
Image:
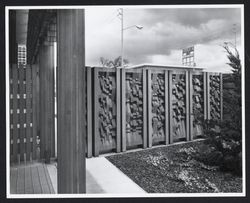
(125, 101)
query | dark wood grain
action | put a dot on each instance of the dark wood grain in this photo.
(71, 137)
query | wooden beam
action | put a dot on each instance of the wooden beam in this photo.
(21, 113)
(123, 109)
(205, 94)
(28, 112)
(96, 141)
(221, 96)
(148, 105)
(166, 107)
(191, 114)
(89, 111)
(208, 96)
(145, 105)
(71, 137)
(35, 108)
(14, 109)
(47, 134)
(170, 75)
(118, 110)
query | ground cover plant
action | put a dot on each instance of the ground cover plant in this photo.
(175, 169)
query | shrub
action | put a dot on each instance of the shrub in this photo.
(224, 138)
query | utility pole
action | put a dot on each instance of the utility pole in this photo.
(121, 37)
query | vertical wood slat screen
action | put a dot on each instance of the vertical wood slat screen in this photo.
(23, 145)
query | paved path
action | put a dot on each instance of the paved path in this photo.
(101, 177)
(108, 178)
(30, 179)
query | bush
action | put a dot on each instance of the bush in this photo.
(224, 138)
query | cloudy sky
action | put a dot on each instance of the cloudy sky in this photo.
(166, 31)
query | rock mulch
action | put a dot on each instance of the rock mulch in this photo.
(174, 169)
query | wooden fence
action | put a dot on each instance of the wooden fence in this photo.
(139, 108)
(24, 97)
(125, 108)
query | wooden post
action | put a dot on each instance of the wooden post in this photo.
(123, 109)
(205, 94)
(47, 134)
(191, 114)
(221, 96)
(149, 107)
(187, 105)
(28, 112)
(145, 106)
(89, 111)
(166, 107)
(96, 141)
(170, 93)
(35, 106)
(15, 116)
(21, 113)
(208, 96)
(118, 110)
(71, 137)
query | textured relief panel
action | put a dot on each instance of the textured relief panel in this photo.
(198, 104)
(158, 107)
(215, 96)
(134, 108)
(179, 106)
(107, 110)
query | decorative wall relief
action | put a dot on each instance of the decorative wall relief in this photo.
(198, 104)
(179, 106)
(215, 96)
(107, 110)
(134, 108)
(158, 107)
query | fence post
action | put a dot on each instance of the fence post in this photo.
(149, 107)
(166, 107)
(89, 112)
(35, 106)
(208, 96)
(205, 94)
(28, 112)
(96, 111)
(21, 113)
(221, 96)
(123, 109)
(14, 111)
(170, 106)
(118, 110)
(187, 105)
(191, 116)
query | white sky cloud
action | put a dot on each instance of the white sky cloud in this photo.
(165, 32)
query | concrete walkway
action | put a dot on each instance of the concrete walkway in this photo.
(104, 177)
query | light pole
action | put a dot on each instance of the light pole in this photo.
(122, 30)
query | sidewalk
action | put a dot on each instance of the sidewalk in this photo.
(103, 177)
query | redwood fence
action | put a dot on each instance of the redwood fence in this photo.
(139, 108)
(125, 108)
(24, 98)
